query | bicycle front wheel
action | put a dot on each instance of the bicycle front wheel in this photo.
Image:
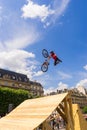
(45, 53)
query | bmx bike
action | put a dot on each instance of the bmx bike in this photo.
(44, 66)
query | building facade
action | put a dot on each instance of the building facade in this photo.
(78, 98)
(19, 81)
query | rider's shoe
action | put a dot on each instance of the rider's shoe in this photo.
(60, 60)
(57, 62)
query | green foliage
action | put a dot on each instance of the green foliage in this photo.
(85, 110)
(11, 96)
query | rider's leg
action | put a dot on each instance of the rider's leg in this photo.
(59, 59)
(56, 61)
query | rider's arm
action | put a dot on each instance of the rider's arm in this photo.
(49, 57)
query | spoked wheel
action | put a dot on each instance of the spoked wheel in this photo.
(45, 53)
(44, 67)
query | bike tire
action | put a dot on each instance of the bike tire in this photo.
(44, 67)
(45, 53)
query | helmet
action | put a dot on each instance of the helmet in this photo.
(51, 52)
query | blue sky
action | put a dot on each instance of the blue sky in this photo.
(28, 26)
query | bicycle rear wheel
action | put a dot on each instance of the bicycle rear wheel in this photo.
(44, 67)
(45, 53)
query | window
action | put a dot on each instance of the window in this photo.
(0, 75)
(6, 83)
(13, 77)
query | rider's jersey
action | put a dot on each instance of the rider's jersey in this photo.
(54, 56)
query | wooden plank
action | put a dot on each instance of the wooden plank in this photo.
(62, 114)
(67, 114)
(79, 122)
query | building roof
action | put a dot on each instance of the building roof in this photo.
(13, 75)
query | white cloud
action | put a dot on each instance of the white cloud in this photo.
(59, 7)
(62, 86)
(47, 14)
(63, 75)
(82, 83)
(33, 10)
(38, 73)
(20, 39)
(19, 61)
(49, 90)
(82, 74)
(85, 67)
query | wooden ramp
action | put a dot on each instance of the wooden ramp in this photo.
(31, 113)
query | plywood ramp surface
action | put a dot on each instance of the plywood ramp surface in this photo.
(31, 113)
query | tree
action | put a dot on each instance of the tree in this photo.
(85, 110)
(12, 96)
